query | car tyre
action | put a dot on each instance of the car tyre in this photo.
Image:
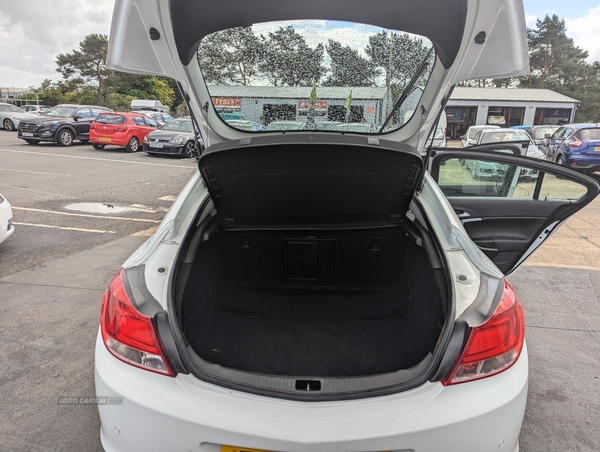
(133, 145)
(98, 146)
(8, 125)
(65, 137)
(32, 141)
(189, 150)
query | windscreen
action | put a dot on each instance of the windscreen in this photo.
(315, 75)
(179, 125)
(541, 132)
(502, 136)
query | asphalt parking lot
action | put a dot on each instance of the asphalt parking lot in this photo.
(55, 267)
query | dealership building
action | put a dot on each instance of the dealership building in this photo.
(264, 104)
(507, 107)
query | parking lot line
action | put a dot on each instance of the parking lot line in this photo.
(86, 215)
(33, 172)
(95, 158)
(97, 231)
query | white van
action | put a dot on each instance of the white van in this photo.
(148, 104)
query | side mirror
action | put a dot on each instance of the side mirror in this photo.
(77, 118)
(463, 137)
(471, 142)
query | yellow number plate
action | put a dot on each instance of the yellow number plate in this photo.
(240, 449)
(104, 138)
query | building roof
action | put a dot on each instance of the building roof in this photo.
(510, 94)
(296, 92)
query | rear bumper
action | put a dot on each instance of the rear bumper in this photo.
(585, 162)
(184, 413)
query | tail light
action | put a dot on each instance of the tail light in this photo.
(495, 346)
(93, 126)
(129, 335)
(575, 143)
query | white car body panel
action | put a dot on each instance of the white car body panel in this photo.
(6, 215)
(14, 117)
(162, 413)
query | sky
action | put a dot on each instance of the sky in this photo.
(33, 32)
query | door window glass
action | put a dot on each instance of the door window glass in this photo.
(554, 187)
(96, 112)
(138, 120)
(151, 122)
(84, 113)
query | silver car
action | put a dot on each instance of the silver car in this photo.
(319, 291)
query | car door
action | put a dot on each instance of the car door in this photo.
(556, 141)
(83, 119)
(516, 206)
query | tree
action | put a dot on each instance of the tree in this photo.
(348, 68)
(398, 55)
(230, 57)
(289, 60)
(89, 64)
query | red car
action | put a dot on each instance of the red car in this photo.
(126, 130)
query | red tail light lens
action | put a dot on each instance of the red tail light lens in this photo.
(93, 126)
(576, 143)
(129, 335)
(495, 346)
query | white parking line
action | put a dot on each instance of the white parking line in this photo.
(96, 158)
(33, 172)
(97, 231)
(86, 215)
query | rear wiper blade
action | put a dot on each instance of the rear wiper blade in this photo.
(408, 89)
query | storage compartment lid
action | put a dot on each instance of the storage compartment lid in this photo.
(309, 180)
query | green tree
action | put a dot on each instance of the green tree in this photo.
(289, 60)
(88, 63)
(230, 57)
(348, 68)
(398, 55)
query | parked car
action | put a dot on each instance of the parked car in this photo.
(439, 139)
(174, 138)
(576, 146)
(471, 132)
(11, 116)
(286, 125)
(126, 130)
(541, 135)
(318, 291)
(39, 109)
(244, 125)
(159, 117)
(62, 124)
(6, 226)
(360, 127)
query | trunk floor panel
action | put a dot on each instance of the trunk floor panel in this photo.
(307, 331)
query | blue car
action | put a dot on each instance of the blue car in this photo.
(576, 146)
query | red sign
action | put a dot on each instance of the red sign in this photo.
(305, 105)
(370, 110)
(227, 102)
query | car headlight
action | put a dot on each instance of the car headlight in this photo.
(177, 140)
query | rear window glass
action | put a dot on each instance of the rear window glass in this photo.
(589, 134)
(110, 119)
(304, 74)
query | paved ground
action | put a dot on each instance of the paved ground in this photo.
(50, 299)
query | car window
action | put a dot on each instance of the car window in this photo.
(96, 112)
(150, 122)
(302, 71)
(473, 133)
(83, 113)
(166, 118)
(483, 177)
(107, 118)
(588, 134)
(540, 133)
(10, 108)
(138, 120)
(60, 111)
(179, 125)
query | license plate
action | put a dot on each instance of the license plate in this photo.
(159, 145)
(104, 138)
(27, 134)
(240, 449)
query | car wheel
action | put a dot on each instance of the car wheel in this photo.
(65, 137)
(98, 146)
(32, 142)
(133, 145)
(189, 150)
(8, 125)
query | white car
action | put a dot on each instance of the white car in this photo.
(471, 132)
(10, 116)
(318, 291)
(6, 226)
